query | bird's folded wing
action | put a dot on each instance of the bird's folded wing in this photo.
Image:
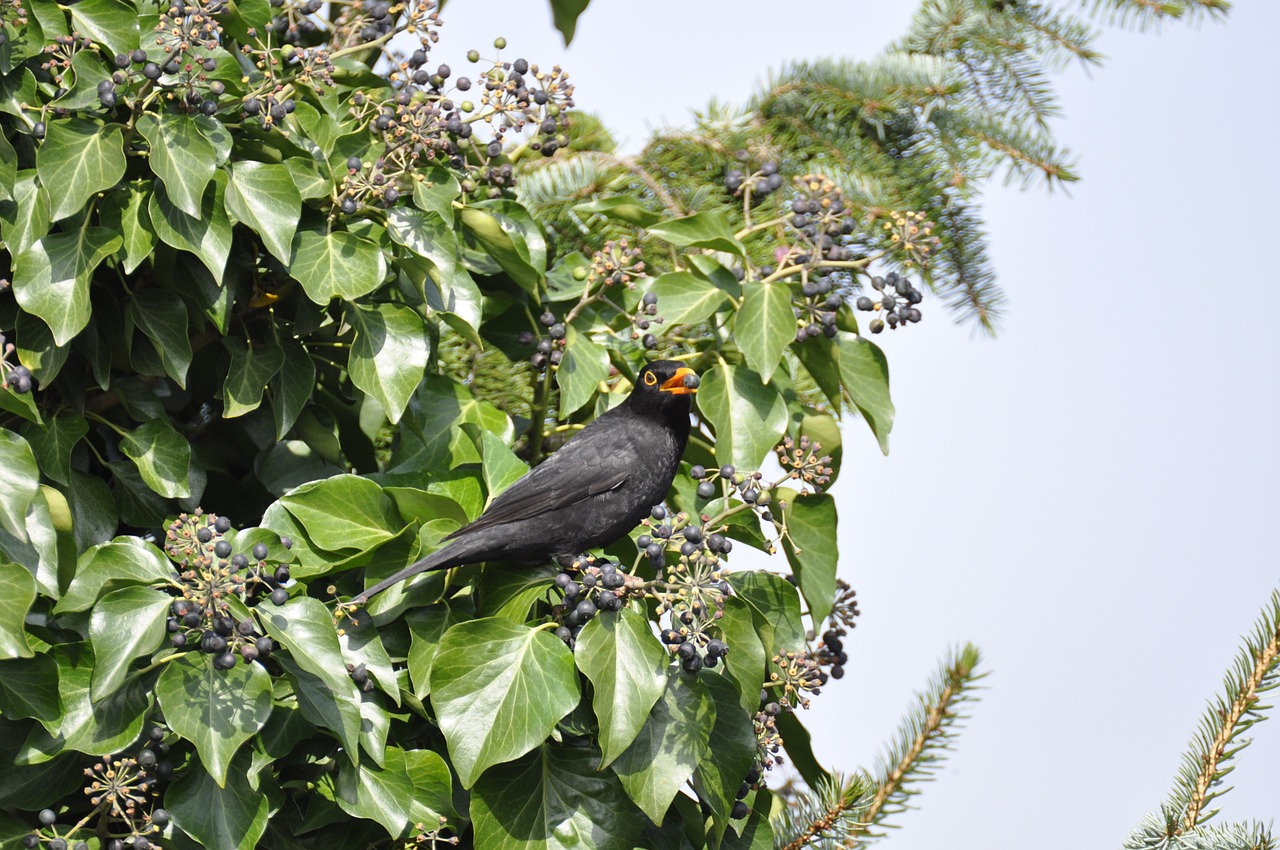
(574, 474)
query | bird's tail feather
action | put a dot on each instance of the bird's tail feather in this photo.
(440, 559)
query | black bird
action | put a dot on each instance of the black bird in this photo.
(591, 492)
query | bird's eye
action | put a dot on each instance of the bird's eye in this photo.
(650, 379)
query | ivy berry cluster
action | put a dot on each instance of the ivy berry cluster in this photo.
(896, 303)
(588, 587)
(18, 377)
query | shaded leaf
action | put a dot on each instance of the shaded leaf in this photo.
(411, 787)
(19, 482)
(583, 366)
(812, 550)
(865, 374)
(291, 386)
(731, 750)
(207, 235)
(746, 662)
(217, 710)
(252, 366)
(17, 592)
(51, 277)
(164, 321)
(29, 688)
(233, 817)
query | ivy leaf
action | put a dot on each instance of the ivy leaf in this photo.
(412, 786)
(746, 661)
(627, 668)
(164, 321)
(582, 368)
(389, 354)
(554, 799)
(19, 483)
(499, 465)
(232, 817)
(51, 277)
(701, 230)
(796, 741)
(17, 592)
(343, 512)
(669, 747)
(110, 22)
(291, 386)
(865, 374)
(123, 562)
(436, 192)
(29, 688)
(87, 725)
(684, 298)
(498, 689)
(27, 218)
(426, 626)
(8, 169)
(207, 235)
(565, 14)
(447, 286)
(304, 627)
(217, 710)
(37, 349)
(126, 624)
(621, 207)
(125, 212)
(335, 264)
(502, 240)
(78, 159)
(264, 197)
(775, 607)
(764, 326)
(749, 416)
(180, 156)
(163, 457)
(756, 833)
(731, 750)
(252, 366)
(812, 550)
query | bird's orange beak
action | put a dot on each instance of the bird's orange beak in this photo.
(675, 384)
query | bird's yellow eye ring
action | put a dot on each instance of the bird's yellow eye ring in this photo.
(650, 379)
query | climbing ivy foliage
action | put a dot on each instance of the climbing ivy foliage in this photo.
(275, 322)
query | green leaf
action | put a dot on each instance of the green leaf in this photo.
(582, 368)
(19, 482)
(684, 298)
(291, 386)
(111, 22)
(410, 787)
(498, 689)
(78, 159)
(217, 710)
(123, 562)
(51, 277)
(627, 668)
(389, 354)
(304, 627)
(29, 688)
(344, 512)
(500, 466)
(565, 13)
(821, 359)
(207, 235)
(701, 230)
(8, 169)
(126, 624)
(233, 817)
(775, 607)
(335, 264)
(669, 747)
(756, 833)
(17, 592)
(731, 750)
(27, 218)
(88, 70)
(252, 366)
(795, 738)
(621, 207)
(764, 326)
(823, 430)
(265, 198)
(865, 374)
(37, 349)
(749, 416)
(426, 626)
(554, 799)
(502, 238)
(125, 212)
(180, 156)
(436, 192)
(746, 662)
(163, 457)
(93, 511)
(812, 550)
(87, 725)
(164, 321)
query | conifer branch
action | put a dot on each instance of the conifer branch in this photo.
(832, 813)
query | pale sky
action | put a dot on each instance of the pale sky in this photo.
(1091, 496)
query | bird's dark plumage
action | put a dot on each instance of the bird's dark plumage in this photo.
(591, 492)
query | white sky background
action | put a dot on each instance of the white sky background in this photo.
(1090, 497)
